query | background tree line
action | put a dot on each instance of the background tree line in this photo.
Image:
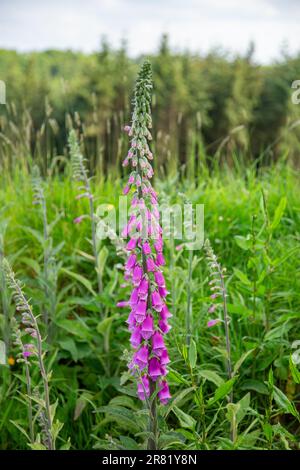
(207, 109)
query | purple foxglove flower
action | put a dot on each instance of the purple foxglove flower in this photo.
(141, 357)
(212, 308)
(145, 236)
(131, 179)
(143, 388)
(164, 313)
(164, 358)
(163, 292)
(157, 302)
(137, 275)
(154, 369)
(160, 260)
(127, 129)
(134, 297)
(131, 244)
(155, 212)
(214, 322)
(123, 303)
(78, 220)
(147, 328)
(164, 326)
(158, 344)
(159, 279)
(179, 247)
(146, 248)
(140, 311)
(126, 190)
(150, 265)
(136, 338)
(131, 261)
(131, 321)
(125, 231)
(143, 289)
(27, 353)
(164, 392)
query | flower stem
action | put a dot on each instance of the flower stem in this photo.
(30, 416)
(189, 300)
(153, 427)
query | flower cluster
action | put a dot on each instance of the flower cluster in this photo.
(79, 172)
(148, 319)
(215, 283)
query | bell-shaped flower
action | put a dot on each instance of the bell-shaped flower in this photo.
(154, 369)
(143, 388)
(158, 344)
(164, 392)
(157, 302)
(147, 328)
(141, 357)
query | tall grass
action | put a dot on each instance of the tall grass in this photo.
(253, 222)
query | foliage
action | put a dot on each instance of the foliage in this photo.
(252, 220)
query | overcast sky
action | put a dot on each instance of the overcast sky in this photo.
(198, 25)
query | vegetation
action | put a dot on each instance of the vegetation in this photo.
(205, 108)
(233, 347)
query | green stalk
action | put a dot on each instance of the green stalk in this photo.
(189, 299)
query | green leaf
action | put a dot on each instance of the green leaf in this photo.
(78, 277)
(284, 403)
(32, 263)
(222, 391)
(101, 260)
(81, 403)
(22, 430)
(244, 404)
(69, 345)
(242, 277)
(278, 213)
(73, 326)
(55, 429)
(294, 371)
(35, 233)
(243, 242)
(192, 354)
(239, 309)
(278, 332)
(37, 446)
(104, 326)
(271, 379)
(241, 360)
(124, 418)
(123, 400)
(176, 377)
(53, 410)
(256, 385)
(185, 420)
(176, 400)
(211, 376)
(66, 445)
(268, 431)
(129, 443)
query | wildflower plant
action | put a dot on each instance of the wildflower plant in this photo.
(219, 298)
(50, 267)
(80, 174)
(32, 353)
(149, 315)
